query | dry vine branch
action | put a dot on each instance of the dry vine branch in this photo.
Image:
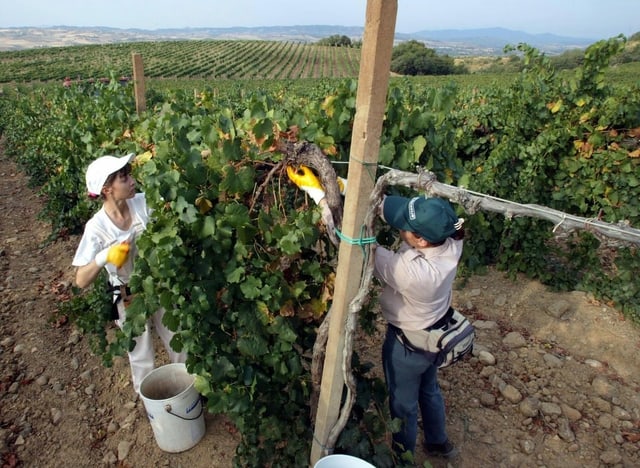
(317, 361)
(355, 306)
(264, 184)
(308, 154)
(472, 202)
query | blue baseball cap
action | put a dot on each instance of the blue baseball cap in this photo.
(431, 218)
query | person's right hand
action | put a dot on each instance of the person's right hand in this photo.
(342, 185)
(116, 255)
(306, 180)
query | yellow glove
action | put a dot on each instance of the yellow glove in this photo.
(342, 185)
(116, 255)
(306, 180)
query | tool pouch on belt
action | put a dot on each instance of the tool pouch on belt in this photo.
(445, 342)
(120, 293)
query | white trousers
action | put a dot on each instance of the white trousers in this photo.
(142, 358)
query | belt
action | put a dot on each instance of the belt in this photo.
(122, 291)
(443, 321)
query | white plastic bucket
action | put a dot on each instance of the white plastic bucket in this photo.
(174, 407)
(342, 461)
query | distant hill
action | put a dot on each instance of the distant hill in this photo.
(473, 42)
(492, 40)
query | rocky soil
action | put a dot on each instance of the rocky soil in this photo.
(553, 381)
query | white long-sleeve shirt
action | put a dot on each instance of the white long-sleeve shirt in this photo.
(418, 283)
(100, 233)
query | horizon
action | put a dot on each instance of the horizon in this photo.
(586, 19)
(275, 26)
(459, 42)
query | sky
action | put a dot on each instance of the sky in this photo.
(593, 19)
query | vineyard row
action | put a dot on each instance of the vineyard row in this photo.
(213, 59)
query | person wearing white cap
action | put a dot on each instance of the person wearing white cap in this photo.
(108, 242)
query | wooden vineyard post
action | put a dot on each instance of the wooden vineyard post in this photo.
(138, 83)
(371, 99)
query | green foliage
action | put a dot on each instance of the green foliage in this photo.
(512, 63)
(629, 54)
(568, 154)
(370, 421)
(240, 286)
(90, 310)
(618, 284)
(416, 132)
(55, 133)
(414, 58)
(335, 40)
(569, 59)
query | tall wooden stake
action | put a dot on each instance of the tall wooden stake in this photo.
(371, 99)
(138, 83)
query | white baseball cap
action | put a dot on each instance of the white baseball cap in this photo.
(100, 169)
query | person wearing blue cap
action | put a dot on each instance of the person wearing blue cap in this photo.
(417, 297)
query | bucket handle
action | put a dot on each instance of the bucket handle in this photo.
(168, 409)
